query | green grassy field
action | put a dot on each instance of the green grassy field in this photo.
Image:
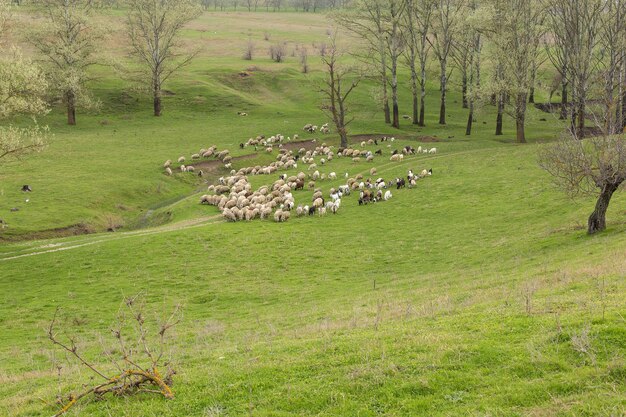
(475, 293)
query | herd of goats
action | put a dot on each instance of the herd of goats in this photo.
(235, 198)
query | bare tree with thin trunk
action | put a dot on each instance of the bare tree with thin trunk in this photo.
(339, 82)
(473, 83)
(416, 28)
(584, 167)
(613, 43)
(395, 45)
(514, 35)
(445, 23)
(366, 20)
(68, 41)
(576, 34)
(462, 48)
(154, 31)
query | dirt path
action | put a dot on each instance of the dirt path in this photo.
(102, 238)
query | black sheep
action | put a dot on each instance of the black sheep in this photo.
(400, 183)
(311, 210)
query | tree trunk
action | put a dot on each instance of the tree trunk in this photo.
(500, 114)
(383, 65)
(414, 92)
(444, 79)
(597, 220)
(157, 101)
(581, 118)
(422, 121)
(563, 115)
(464, 89)
(470, 120)
(344, 137)
(533, 77)
(520, 117)
(70, 98)
(394, 94)
(624, 109)
(396, 115)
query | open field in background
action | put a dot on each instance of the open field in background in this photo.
(112, 160)
(476, 293)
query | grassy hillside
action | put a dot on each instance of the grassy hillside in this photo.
(475, 293)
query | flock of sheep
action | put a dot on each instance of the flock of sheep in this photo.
(226, 158)
(236, 199)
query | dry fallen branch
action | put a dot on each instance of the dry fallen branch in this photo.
(139, 363)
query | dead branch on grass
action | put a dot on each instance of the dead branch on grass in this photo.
(140, 359)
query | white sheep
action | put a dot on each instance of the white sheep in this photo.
(387, 195)
(332, 176)
(432, 150)
(168, 170)
(181, 159)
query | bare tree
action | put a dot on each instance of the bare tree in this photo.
(153, 29)
(474, 45)
(278, 51)
(68, 41)
(515, 36)
(613, 43)
(340, 81)
(576, 34)
(582, 167)
(249, 52)
(393, 17)
(445, 24)
(416, 27)
(463, 46)
(304, 60)
(366, 20)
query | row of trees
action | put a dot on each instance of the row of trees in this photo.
(69, 40)
(249, 5)
(274, 5)
(497, 47)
